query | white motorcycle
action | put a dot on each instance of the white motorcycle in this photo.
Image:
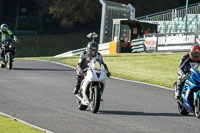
(92, 87)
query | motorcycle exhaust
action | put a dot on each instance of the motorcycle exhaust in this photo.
(77, 96)
(2, 62)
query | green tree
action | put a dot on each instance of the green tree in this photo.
(17, 13)
(43, 11)
(71, 12)
(1, 9)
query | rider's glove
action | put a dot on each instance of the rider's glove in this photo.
(186, 76)
(79, 72)
(85, 70)
(108, 74)
(15, 39)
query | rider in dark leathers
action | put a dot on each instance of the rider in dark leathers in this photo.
(85, 58)
(191, 59)
(4, 34)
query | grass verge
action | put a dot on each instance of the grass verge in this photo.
(49, 45)
(8, 125)
(154, 68)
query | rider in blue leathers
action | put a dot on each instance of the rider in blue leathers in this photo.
(191, 59)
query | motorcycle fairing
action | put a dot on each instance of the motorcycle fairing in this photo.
(191, 89)
(196, 95)
(92, 76)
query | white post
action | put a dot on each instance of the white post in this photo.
(103, 14)
(186, 12)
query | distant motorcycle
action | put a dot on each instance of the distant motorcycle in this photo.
(8, 51)
(92, 87)
(190, 97)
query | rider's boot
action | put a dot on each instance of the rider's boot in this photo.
(2, 59)
(179, 88)
(78, 83)
(178, 94)
(76, 89)
(2, 56)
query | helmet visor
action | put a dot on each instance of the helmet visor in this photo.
(93, 52)
(4, 28)
(195, 54)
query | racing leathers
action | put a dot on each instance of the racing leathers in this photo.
(83, 63)
(184, 67)
(4, 35)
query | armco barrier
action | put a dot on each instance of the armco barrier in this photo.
(78, 51)
(108, 48)
(71, 53)
(103, 49)
(138, 46)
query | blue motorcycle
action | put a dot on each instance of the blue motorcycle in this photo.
(190, 97)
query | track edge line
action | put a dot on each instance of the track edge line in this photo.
(133, 81)
(26, 123)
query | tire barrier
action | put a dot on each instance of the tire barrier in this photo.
(138, 46)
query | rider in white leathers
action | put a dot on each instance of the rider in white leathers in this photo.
(85, 58)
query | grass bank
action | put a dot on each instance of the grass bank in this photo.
(49, 45)
(155, 68)
(8, 125)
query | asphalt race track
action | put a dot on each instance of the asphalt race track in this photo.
(40, 93)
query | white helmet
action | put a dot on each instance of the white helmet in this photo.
(4, 27)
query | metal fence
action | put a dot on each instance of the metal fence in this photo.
(170, 15)
(176, 20)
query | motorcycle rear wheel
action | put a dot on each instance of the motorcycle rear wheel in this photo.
(182, 109)
(197, 107)
(95, 98)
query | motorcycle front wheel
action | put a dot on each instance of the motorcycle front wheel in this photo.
(182, 109)
(197, 107)
(95, 98)
(9, 61)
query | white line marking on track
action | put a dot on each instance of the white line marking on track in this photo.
(31, 125)
(36, 127)
(163, 87)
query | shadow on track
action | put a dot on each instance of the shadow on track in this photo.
(40, 69)
(111, 112)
